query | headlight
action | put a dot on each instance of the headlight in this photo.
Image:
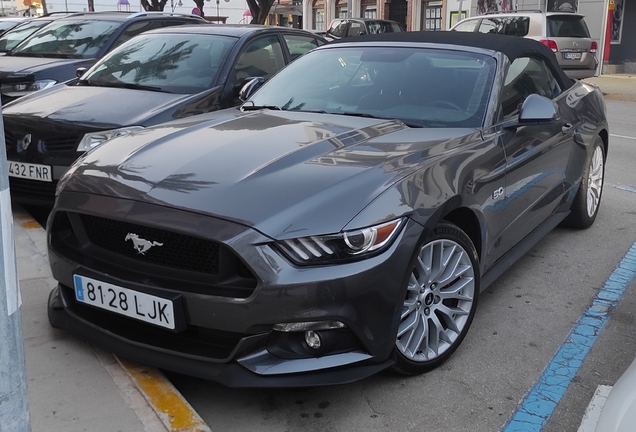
(337, 247)
(93, 139)
(24, 88)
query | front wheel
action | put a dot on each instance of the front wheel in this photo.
(441, 298)
(587, 200)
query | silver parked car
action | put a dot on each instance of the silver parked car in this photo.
(566, 34)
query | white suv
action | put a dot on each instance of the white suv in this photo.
(566, 34)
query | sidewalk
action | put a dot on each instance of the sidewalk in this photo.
(620, 87)
(73, 386)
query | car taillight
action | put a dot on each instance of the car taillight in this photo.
(550, 44)
(593, 47)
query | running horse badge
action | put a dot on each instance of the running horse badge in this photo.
(141, 245)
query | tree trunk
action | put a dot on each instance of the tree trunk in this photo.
(260, 10)
(152, 5)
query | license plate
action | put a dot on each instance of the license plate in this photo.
(572, 56)
(133, 304)
(30, 171)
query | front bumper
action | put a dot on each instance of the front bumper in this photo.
(229, 338)
(230, 374)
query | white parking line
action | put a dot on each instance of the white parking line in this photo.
(622, 136)
(593, 411)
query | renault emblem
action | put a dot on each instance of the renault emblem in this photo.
(24, 143)
(141, 245)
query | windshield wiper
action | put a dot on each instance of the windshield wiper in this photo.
(132, 86)
(45, 55)
(357, 114)
(258, 107)
(90, 83)
(143, 87)
(366, 115)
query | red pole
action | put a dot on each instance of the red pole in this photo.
(608, 31)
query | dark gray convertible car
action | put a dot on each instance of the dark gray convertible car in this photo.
(343, 221)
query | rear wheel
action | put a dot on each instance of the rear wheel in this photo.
(588, 197)
(441, 299)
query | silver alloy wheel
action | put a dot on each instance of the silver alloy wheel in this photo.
(439, 299)
(595, 181)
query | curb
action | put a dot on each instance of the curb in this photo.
(169, 407)
(619, 97)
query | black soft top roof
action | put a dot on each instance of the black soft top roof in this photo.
(511, 46)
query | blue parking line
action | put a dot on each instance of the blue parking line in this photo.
(540, 402)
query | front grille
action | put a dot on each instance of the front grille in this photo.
(170, 249)
(52, 143)
(10, 139)
(61, 145)
(175, 261)
(31, 191)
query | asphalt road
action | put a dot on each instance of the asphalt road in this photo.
(521, 322)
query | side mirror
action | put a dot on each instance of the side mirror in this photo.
(80, 71)
(535, 110)
(250, 87)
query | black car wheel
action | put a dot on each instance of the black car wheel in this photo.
(441, 298)
(588, 197)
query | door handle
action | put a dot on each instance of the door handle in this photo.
(566, 128)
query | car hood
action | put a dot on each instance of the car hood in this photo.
(287, 174)
(15, 66)
(93, 107)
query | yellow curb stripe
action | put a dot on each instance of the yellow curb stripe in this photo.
(26, 221)
(173, 410)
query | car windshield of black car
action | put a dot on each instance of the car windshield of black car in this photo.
(421, 87)
(17, 34)
(176, 63)
(64, 39)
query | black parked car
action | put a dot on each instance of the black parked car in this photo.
(54, 53)
(156, 77)
(10, 38)
(348, 27)
(335, 225)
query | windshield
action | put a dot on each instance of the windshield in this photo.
(176, 63)
(376, 27)
(567, 26)
(7, 24)
(68, 39)
(421, 87)
(16, 35)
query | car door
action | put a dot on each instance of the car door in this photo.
(536, 155)
(298, 44)
(262, 56)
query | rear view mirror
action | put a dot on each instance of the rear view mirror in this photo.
(250, 87)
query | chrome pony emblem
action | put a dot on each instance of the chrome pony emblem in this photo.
(141, 245)
(24, 143)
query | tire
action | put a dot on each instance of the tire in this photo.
(587, 200)
(440, 302)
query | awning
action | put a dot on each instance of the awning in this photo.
(286, 10)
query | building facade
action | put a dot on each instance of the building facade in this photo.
(612, 23)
